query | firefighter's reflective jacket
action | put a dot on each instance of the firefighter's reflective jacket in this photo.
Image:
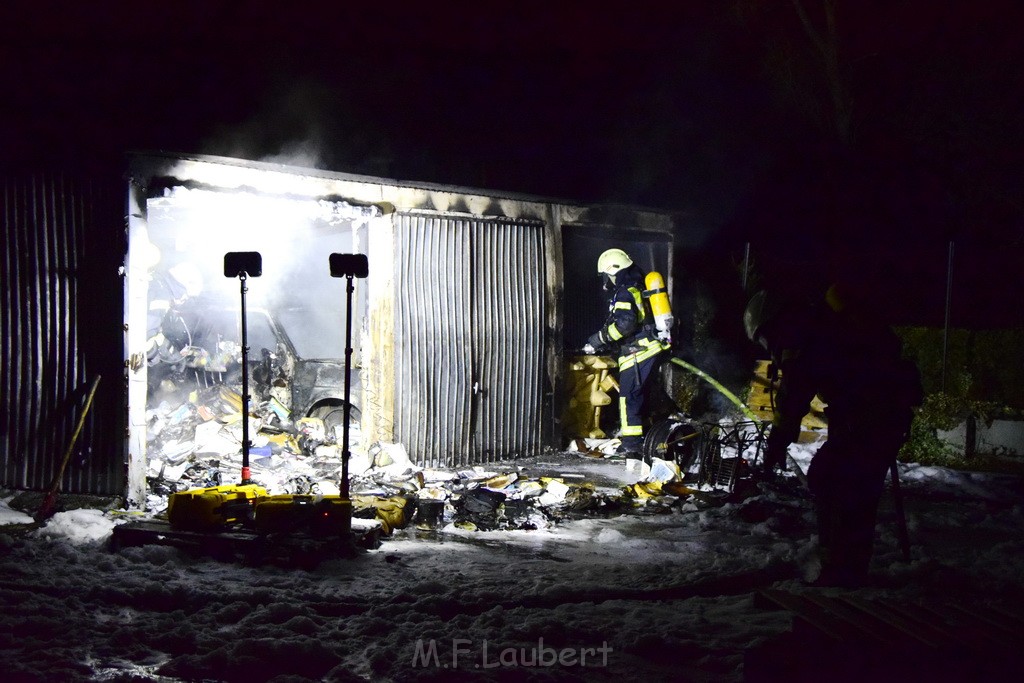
(629, 326)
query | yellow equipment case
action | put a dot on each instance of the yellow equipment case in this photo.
(213, 508)
(241, 522)
(313, 514)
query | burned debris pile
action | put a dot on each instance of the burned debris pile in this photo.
(196, 444)
(195, 441)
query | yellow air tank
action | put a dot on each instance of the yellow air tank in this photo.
(660, 307)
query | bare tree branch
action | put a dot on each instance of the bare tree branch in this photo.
(828, 46)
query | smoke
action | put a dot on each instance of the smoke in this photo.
(712, 339)
(304, 154)
(294, 237)
(309, 124)
(707, 400)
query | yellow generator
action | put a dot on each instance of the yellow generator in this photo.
(310, 514)
(213, 508)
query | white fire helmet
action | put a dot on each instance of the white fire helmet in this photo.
(612, 261)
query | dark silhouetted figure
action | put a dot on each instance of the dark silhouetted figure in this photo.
(853, 363)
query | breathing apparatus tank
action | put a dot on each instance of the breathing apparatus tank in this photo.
(660, 307)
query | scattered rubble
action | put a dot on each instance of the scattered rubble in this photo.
(197, 442)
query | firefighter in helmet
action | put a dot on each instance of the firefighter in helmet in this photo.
(853, 363)
(630, 331)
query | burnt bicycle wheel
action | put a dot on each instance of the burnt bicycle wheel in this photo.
(675, 439)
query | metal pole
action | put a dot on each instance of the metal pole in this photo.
(245, 386)
(348, 382)
(746, 264)
(945, 329)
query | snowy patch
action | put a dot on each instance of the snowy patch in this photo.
(9, 516)
(79, 527)
(669, 592)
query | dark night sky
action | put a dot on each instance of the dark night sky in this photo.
(718, 109)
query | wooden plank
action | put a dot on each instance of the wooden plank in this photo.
(1012, 616)
(996, 619)
(928, 625)
(983, 631)
(962, 635)
(810, 613)
(867, 624)
(890, 616)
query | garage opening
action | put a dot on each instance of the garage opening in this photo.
(295, 316)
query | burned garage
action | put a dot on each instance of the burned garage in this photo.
(460, 335)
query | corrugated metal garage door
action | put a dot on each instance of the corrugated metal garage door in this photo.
(469, 338)
(60, 312)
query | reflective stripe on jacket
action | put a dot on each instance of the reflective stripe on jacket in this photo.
(626, 315)
(648, 347)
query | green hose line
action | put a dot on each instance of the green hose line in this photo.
(717, 385)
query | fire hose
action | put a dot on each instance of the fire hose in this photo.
(717, 385)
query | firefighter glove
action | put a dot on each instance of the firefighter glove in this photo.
(595, 344)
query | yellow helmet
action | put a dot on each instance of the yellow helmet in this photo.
(612, 261)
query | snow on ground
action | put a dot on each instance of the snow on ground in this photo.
(633, 594)
(9, 516)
